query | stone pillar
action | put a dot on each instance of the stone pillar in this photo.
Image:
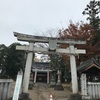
(35, 76)
(9, 87)
(73, 70)
(28, 68)
(48, 76)
(52, 81)
(1, 88)
(83, 85)
(59, 84)
(59, 75)
(5, 91)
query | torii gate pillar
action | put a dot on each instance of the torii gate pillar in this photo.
(28, 68)
(73, 70)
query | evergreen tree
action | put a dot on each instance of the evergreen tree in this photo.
(14, 61)
(3, 55)
(58, 63)
(93, 11)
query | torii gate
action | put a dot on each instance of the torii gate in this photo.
(53, 42)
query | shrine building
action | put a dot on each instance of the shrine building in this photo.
(40, 72)
(89, 79)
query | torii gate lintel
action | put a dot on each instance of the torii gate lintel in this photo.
(43, 39)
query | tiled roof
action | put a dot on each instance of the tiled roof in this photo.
(41, 65)
(87, 64)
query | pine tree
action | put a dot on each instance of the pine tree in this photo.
(93, 11)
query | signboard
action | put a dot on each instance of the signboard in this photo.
(17, 87)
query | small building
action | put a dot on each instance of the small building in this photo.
(89, 75)
(41, 72)
(91, 68)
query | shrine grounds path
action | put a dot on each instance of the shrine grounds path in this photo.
(42, 91)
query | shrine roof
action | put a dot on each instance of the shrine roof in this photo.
(88, 64)
(41, 65)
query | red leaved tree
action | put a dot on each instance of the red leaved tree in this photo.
(80, 31)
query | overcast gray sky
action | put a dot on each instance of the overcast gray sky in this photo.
(33, 16)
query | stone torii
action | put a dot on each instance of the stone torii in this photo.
(53, 42)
